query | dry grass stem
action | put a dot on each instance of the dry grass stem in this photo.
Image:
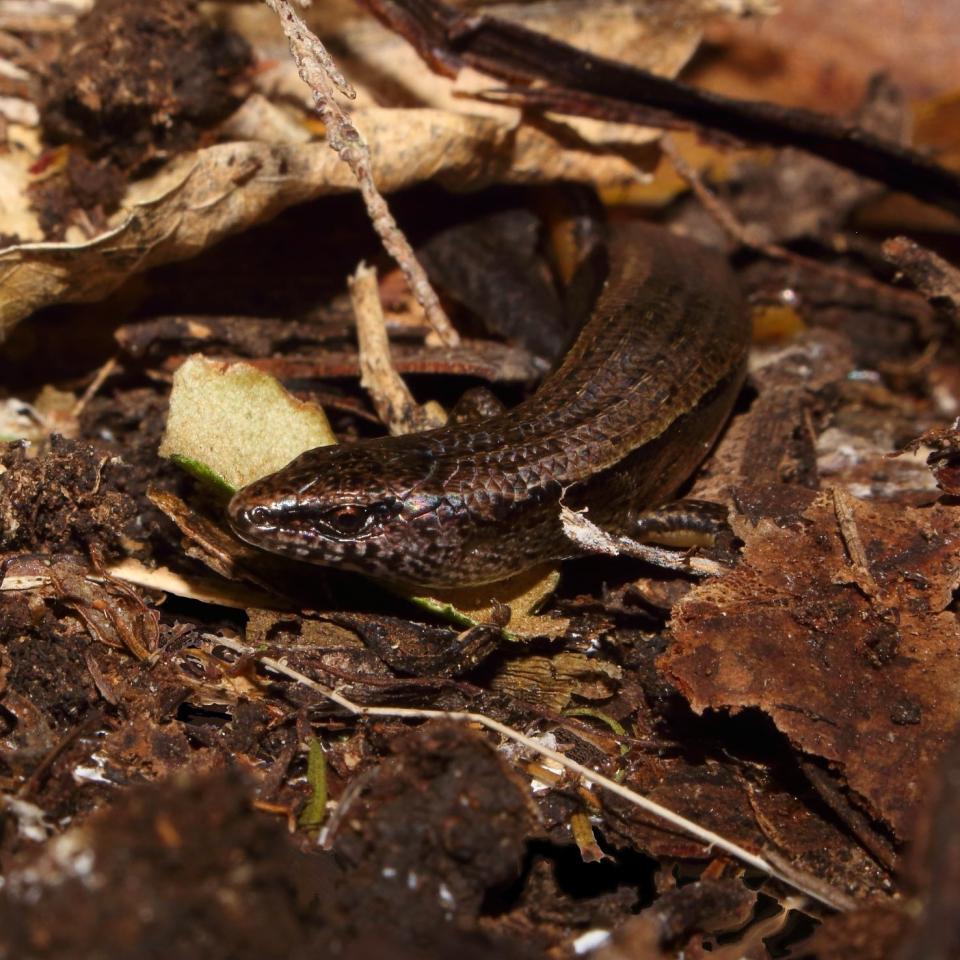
(813, 888)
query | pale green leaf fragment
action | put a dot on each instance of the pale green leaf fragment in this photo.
(231, 424)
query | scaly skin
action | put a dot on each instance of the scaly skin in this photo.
(626, 418)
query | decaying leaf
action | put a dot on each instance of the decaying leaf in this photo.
(201, 197)
(522, 593)
(553, 682)
(855, 661)
(433, 133)
(750, 805)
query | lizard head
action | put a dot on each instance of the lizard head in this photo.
(361, 506)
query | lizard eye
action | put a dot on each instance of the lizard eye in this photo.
(349, 519)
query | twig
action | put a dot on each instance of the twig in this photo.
(740, 232)
(95, 384)
(929, 273)
(390, 396)
(853, 542)
(856, 822)
(826, 895)
(318, 71)
(449, 39)
(745, 235)
(593, 539)
(33, 782)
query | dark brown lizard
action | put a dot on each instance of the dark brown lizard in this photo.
(628, 415)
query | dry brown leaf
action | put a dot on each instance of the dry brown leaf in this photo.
(552, 682)
(753, 810)
(202, 197)
(435, 133)
(855, 663)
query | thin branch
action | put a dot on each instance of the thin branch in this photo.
(856, 822)
(391, 397)
(586, 534)
(738, 231)
(850, 533)
(320, 74)
(448, 39)
(746, 235)
(96, 383)
(824, 894)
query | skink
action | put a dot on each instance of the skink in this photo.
(630, 412)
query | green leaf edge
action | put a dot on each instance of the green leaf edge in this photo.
(206, 475)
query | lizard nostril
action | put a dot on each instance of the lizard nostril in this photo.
(244, 517)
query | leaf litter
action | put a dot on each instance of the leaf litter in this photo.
(164, 690)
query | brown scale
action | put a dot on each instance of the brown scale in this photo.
(629, 414)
